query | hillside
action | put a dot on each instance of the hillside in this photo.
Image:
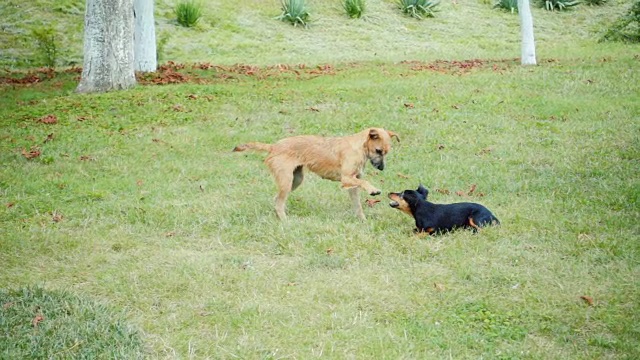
(246, 32)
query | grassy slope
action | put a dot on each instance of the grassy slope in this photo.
(161, 219)
(245, 32)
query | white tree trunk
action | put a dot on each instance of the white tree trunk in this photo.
(526, 27)
(144, 37)
(108, 46)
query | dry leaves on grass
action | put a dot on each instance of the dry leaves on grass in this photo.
(587, 299)
(372, 202)
(49, 119)
(56, 217)
(37, 319)
(34, 152)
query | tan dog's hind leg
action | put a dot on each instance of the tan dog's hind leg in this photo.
(283, 181)
(354, 193)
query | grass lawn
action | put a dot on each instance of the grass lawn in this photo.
(134, 199)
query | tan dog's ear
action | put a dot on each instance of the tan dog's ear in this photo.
(373, 134)
(392, 134)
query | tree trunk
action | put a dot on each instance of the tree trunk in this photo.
(144, 37)
(526, 27)
(108, 46)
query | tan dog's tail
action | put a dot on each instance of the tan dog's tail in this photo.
(253, 146)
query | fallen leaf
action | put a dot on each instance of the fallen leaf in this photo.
(49, 138)
(315, 109)
(36, 320)
(170, 234)
(178, 108)
(403, 176)
(472, 189)
(455, 107)
(7, 305)
(86, 158)
(372, 202)
(57, 217)
(409, 105)
(438, 286)
(34, 152)
(49, 119)
(587, 299)
(82, 118)
(443, 191)
(139, 182)
(192, 97)
(460, 193)
(440, 147)
(329, 251)
(10, 205)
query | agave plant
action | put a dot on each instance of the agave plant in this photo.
(509, 5)
(353, 8)
(418, 8)
(559, 5)
(294, 12)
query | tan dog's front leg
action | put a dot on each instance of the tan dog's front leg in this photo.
(354, 193)
(352, 181)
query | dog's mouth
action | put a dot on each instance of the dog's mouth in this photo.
(395, 198)
(378, 164)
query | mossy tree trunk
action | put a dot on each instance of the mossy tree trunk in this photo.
(108, 46)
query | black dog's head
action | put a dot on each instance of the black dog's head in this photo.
(407, 200)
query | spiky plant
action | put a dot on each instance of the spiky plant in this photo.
(294, 12)
(354, 8)
(188, 12)
(509, 5)
(559, 5)
(418, 8)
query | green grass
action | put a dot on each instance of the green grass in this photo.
(138, 201)
(36, 324)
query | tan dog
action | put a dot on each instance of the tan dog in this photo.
(333, 158)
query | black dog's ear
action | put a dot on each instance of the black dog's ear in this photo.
(423, 191)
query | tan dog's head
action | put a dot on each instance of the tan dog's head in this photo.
(378, 145)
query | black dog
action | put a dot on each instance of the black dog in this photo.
(433, 218)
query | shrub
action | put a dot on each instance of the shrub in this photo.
(509, 5)
(626, 28)
(559, 5)
(418, 8)
(294, 12)
(354, 8)
(188, 12)
(45, 38)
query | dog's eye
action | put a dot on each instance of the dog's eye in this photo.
(379, 151)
